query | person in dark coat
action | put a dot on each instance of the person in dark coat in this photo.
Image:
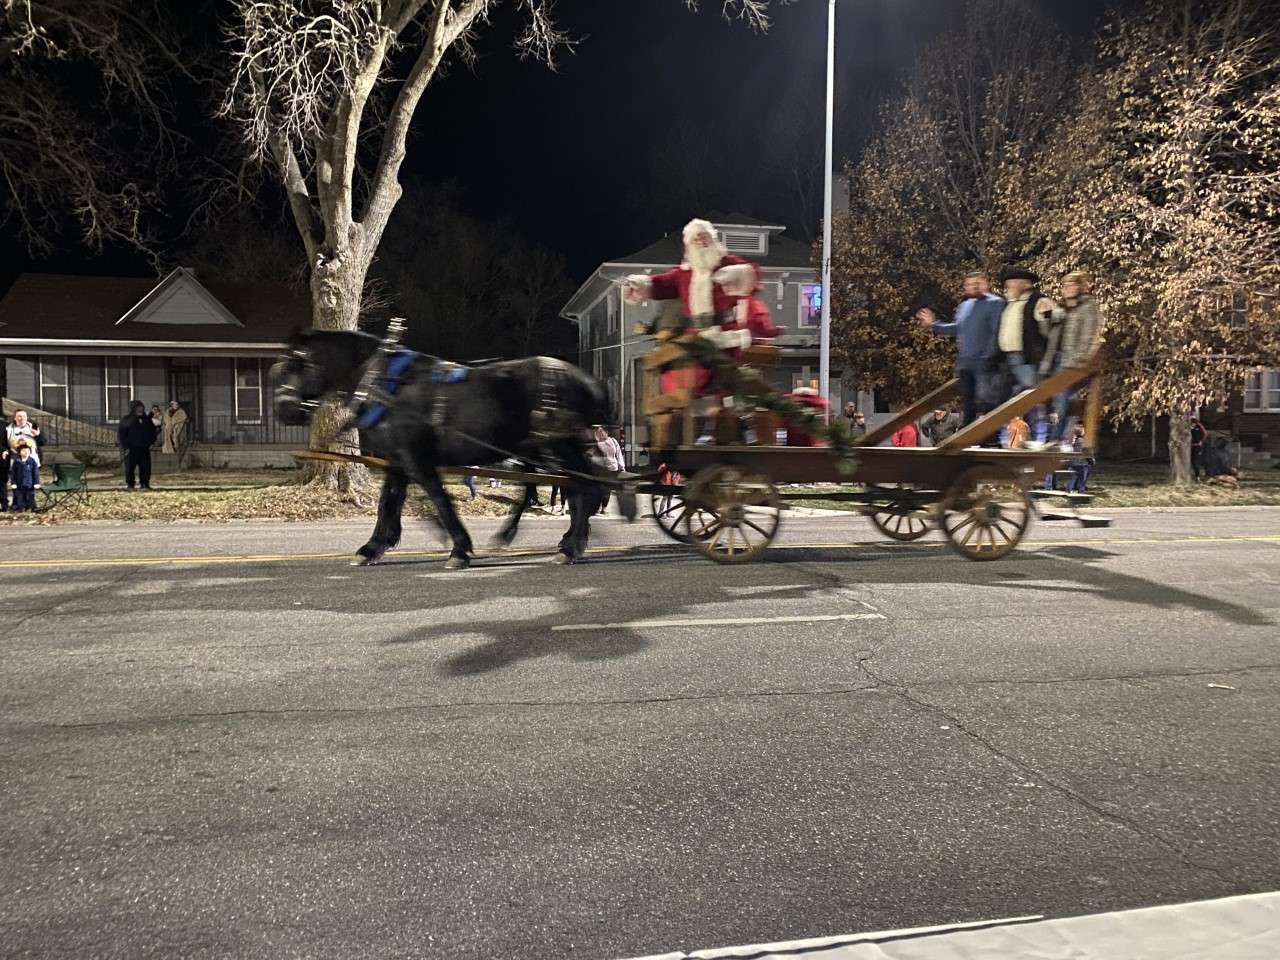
(939, 426)
(1199, 445)
(136, 434)
(24, 477)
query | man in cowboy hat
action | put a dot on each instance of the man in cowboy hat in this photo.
(1021, 337)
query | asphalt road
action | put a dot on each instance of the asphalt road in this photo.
(245, 747)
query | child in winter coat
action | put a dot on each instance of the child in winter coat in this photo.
(24, 480)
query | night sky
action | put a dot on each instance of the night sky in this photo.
(576, 157)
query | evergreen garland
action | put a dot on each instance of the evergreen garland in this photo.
(745, 382)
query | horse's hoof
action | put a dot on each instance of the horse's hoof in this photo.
(563, 559)
(366, 560)
(627, 505)
(457, 563)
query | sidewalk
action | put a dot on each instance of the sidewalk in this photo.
(1232, 928)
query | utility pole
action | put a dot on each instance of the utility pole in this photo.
(824, 340)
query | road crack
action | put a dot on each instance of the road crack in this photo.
(1036, 775)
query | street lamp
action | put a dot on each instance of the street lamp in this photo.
(824, 338)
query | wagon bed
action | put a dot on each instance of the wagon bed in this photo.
(730, 507)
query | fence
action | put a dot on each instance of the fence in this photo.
(218, 431)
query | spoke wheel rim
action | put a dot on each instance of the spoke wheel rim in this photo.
(896, 521)
(733, 516)
(673, 514)
(985, 513)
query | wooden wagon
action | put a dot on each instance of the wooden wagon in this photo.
(980, 497)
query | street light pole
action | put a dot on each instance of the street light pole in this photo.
(824, 340)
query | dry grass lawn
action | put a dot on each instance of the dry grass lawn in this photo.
(218, 495)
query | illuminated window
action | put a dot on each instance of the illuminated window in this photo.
(810, 306)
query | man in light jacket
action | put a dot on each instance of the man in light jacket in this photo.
(975, 325)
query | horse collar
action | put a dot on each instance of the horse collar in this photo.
(397, 367)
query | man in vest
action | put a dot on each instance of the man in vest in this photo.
(1021, 339)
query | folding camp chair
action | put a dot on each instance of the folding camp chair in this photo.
(68, 484)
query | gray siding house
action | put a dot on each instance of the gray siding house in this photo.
(75, 350)
(609, 350)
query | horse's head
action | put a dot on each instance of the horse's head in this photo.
(299, 381)
(317, 365)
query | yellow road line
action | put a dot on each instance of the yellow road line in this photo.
(427, 554)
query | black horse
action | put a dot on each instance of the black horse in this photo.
(432, 413)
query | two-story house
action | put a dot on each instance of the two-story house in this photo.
(612, 353)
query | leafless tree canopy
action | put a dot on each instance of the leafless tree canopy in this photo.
(57, 156)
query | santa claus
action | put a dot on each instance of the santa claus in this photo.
(715, 289)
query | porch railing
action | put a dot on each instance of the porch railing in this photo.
(213, 430)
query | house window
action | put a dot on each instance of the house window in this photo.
(53, 385)
(248, 391)
(117, 386)
(1262, 392)
(810, 306)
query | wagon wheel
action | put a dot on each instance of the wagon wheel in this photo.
(670, 511)
(735, 516)
(985, 512)
(895, 521)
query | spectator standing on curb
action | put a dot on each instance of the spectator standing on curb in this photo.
(24, 479)
(610, 458)
(1081, 465)
(855, 421)
(136, 434)
(940, 426)
(157, 421)
(22, 429)
(1199, 437)
(907, 436)
(174, 426)
(469, 482)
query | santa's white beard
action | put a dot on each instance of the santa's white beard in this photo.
(702, 262)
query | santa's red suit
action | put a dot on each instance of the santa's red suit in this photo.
(716, 290)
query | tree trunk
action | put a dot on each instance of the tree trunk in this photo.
(1179, 449)
(336, 285)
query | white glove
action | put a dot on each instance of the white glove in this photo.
(638, 288)
(737, 280)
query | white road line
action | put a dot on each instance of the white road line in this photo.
(725, 622)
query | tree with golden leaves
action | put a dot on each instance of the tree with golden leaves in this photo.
(1168, 180)
(938, 192)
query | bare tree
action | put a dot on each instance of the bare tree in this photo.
(321, 85)
(64, 156)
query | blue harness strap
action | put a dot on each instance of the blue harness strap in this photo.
(397, 367)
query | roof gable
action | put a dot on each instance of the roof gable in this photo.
(180, 300)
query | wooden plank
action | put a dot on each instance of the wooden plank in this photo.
(1093, 413)
(986, 427)
(914, 412)
(484, 473)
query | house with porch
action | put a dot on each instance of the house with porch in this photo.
(74, 351)
(609, 350)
